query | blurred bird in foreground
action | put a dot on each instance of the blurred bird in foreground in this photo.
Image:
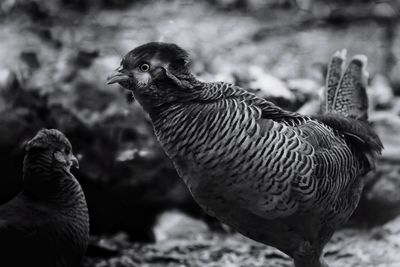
(47, 224)
(278, 177)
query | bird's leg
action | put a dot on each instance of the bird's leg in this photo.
(308, 255)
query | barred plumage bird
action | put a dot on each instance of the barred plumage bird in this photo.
(47, 224)
(278, 177)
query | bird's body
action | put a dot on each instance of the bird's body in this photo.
(47, 224)
(278, 177)
(263, 174)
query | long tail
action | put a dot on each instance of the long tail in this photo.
(345, 91)
(335, 70)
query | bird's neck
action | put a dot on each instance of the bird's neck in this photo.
(178, 122)
(45, 181)
(198, 93)
(184, 89)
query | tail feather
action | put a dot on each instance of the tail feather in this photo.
(351, 98)
(335, 70)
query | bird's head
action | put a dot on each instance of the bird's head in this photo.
(55, 146)
(156, 73)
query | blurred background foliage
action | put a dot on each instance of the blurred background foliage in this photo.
(55, 56)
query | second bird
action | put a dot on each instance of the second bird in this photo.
(47, 224)
(278, 177)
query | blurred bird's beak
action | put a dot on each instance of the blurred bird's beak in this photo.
(117, 76)
(75, 162)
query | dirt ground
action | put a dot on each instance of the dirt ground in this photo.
(185, 242)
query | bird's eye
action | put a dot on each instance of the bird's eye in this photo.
(144, 67)
(67, 150)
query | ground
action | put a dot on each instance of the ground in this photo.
(186, 242)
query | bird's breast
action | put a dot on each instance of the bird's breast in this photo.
(207, 147)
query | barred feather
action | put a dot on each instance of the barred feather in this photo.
(335, 70)
(345, 93)
(351, 97)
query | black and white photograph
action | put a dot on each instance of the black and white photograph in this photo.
(208, 133)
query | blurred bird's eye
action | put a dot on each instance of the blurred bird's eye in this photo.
(144, 67)
(67, 150)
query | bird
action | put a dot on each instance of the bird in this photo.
(47, 223)
(278, 177)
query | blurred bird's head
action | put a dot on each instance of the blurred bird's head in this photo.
(156, 72)
(55, 146)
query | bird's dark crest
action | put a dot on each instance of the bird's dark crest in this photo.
(47, 137)
(163, 51)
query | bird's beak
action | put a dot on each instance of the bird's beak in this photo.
(117, 76)
(75, 162)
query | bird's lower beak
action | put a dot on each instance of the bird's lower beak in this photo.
(75, 162)
(117, 77)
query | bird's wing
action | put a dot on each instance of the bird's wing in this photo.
(305, 155)
(264, 159)
(24, 231)
(346, 94)
(17, 217)
(358, 134)
(17, 234)
(23, 217)
(269, 159)
(24, 243)
(11, 232)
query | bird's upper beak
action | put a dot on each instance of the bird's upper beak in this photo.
(75, 162)
(117, 76)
